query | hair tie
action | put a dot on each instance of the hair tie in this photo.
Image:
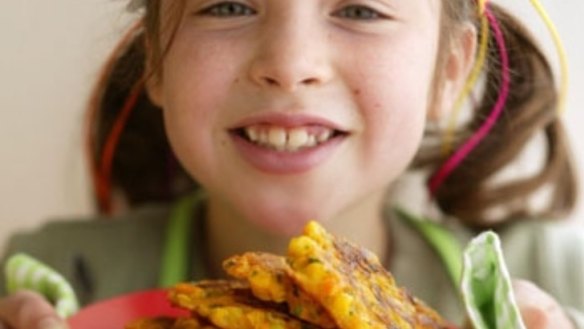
(482, 6)
(100, 176)
(451, 164)
(455, 160)
(448, 137)
(110, 145)
(561, 51)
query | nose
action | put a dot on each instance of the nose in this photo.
(289, 56)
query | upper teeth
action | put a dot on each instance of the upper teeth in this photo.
(283, 139)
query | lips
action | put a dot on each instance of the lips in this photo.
(286, 144)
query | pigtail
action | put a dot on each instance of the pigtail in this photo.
(129, 155)
(469, 193)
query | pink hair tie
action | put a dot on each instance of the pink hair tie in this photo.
(462, 153)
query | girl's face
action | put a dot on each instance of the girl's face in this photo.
(288, 111)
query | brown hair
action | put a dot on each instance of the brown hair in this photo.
(531, 109)
(144, 168)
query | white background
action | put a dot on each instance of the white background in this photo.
(51, 52)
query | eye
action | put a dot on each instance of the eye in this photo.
(227, 9)
(359, 12)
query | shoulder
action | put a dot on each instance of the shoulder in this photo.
(555, 241)
(551, 254)
(101, 257)
(65, 233)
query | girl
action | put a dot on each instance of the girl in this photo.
(287, 111)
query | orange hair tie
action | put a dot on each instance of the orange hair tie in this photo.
(101, 188)
(110, 146)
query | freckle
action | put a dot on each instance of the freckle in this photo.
(357, 91)
(236, 80)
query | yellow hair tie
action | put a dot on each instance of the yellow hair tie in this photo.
(448, 136)
(561, 54)
(482, 6)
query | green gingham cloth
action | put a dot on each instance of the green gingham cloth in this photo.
(23, 272)
(486, 285)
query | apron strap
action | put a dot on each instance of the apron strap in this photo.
(440, 239)
(175, 264)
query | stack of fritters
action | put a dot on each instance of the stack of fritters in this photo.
(324, 282)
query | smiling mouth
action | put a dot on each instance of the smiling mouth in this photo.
(283, 139)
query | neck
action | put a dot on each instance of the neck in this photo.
(362, 224)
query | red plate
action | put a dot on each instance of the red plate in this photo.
(115, 313)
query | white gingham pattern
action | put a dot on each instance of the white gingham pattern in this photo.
(26, 273)
(486, 285)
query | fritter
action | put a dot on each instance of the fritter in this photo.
(169, 323)
(154, 323)
(269, 278)
(231, 305)
(353, 286)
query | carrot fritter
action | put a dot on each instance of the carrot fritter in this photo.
(155, 323)
(168, 323)
(269, 278)
(231, 305)
(265, 273)
(353, 286)
(191, 323)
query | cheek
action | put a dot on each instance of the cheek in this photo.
(393, 102)
(394, 116)
(396, 93)
(195, 86)
(196, 79)
(395, 132)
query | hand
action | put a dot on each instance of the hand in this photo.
(28, 310)
(538, 309)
